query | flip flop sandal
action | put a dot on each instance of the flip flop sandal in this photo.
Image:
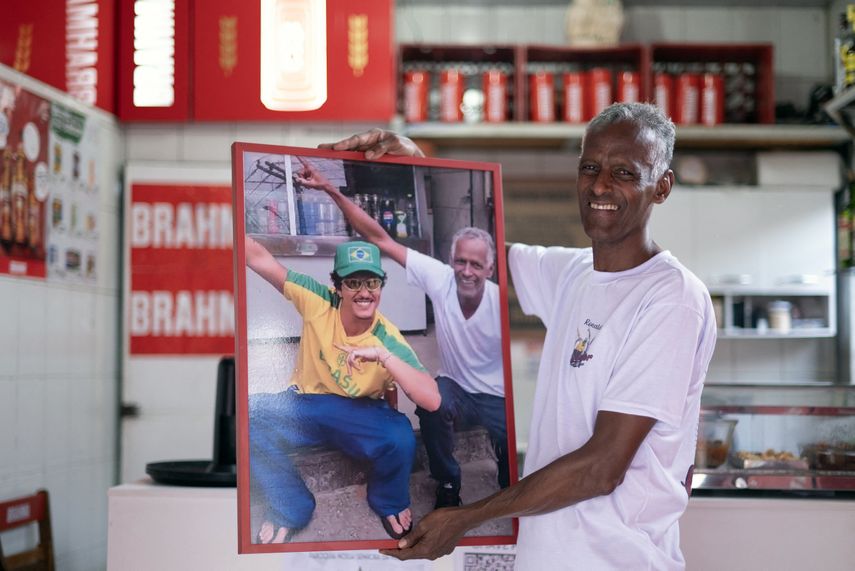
(288, 535)
(387, 525)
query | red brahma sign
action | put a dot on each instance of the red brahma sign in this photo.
(65, 43)
(181, 284)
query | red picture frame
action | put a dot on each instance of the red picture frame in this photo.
(281, 224)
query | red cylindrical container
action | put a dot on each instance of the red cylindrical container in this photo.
(687, 98)
(495, 96)
(574, 100)
(450, 95)
(712, 99)
(628, 87)
(415, 96)
(663, 92)
(599, 94)
(542, 96)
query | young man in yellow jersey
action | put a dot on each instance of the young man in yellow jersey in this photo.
(349, 355)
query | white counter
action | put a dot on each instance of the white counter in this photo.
(165, 527)
(761, 533)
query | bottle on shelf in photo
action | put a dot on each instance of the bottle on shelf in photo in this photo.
(374, 208)
(401, 226)
(34, 218)
(387, 216)
(412, 217)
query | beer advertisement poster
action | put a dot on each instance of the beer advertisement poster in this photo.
(24, 181)
(72, 207)
(343, 271)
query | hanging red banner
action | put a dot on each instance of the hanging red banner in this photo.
(181, 277)
(276, 59)
(154, 60)
(69, 44)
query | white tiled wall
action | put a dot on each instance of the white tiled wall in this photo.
(773, 361)
(58, 383)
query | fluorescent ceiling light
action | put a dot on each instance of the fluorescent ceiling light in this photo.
(293, 54)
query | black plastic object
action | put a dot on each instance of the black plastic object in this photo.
(219, 472)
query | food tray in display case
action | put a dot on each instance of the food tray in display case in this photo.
(786, 439)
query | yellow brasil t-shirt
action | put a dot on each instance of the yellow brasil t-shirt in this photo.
(321, 366)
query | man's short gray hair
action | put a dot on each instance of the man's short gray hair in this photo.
(472, 233)
(644, 116)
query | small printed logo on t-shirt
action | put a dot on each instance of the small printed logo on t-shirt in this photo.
(580, 354)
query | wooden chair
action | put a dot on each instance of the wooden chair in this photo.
(25, 511)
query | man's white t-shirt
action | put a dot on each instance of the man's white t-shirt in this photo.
(636, 342)
(470, 350)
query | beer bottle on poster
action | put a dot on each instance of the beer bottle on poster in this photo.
(57, 159)
(19, 201)
(6, 199)
(34, 217)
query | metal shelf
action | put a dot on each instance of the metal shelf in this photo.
(784, 480)
(528, 134)
(796, 333)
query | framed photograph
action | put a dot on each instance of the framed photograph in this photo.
(372, 346)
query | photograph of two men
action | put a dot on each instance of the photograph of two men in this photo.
(373, 359)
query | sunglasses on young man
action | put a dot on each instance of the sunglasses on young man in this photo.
(356, 284)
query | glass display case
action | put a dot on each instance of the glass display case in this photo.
(776, 439)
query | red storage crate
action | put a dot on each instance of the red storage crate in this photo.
(474, 64)
(746, 72)
(595, 65)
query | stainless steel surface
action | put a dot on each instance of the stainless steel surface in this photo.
(781, 480)
(786, 410)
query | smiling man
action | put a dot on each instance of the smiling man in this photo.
(468, 333)
(629, 336)
(349, 355)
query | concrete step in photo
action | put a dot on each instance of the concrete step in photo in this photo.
(324, 469)
(338, 484)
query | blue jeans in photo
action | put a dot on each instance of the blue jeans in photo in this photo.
(461, 410)
(364, 429)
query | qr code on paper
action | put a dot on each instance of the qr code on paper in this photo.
(488, 562)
